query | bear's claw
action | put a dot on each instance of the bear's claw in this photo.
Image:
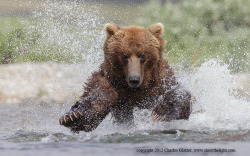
(80, 113)
(75, 115)
(70, 118)
(156, 117)
(163, 113)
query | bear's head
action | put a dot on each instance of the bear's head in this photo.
(134, 52)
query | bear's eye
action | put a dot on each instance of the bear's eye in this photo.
(142, 58)
(124, 58)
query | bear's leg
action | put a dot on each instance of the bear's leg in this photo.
(93, 106)
(123, 114)
(175, 105)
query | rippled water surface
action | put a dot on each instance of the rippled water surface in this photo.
(32, 127)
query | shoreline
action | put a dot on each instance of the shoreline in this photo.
(58, 83)
(47, 82)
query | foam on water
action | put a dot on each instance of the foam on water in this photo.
(212, 85)
(215, 107)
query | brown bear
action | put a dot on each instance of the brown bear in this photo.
(133, 74)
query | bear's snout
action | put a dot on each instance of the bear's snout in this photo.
(134, 72)
(134, 81)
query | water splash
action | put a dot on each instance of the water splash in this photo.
(215, 107)
(67, 31)
(212, 85)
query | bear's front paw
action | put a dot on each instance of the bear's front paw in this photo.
(165, 113)
(75, 114)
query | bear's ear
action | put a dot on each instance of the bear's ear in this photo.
(156, 29)
(111, 29)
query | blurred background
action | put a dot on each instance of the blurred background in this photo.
(196, 31)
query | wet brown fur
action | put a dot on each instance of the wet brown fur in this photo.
(108, 91)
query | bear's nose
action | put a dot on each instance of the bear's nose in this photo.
(134, 81)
